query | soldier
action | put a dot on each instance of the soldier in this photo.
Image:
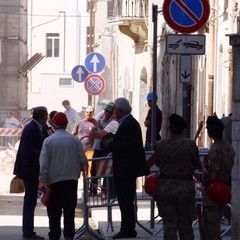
(218, 168)
(177, 158)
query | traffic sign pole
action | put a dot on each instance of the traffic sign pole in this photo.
(153, 126)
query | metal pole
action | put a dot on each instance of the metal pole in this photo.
(154, 74)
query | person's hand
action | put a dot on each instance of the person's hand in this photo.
(147, 123)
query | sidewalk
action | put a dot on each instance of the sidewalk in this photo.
(11, 218)
(11, 221)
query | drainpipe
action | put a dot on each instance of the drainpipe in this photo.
(64, 39)
(211, 61)
(150, 50)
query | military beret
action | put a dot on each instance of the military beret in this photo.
(214, 122)
(177, 121)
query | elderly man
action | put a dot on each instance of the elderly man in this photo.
(61, 161)
(129, 162)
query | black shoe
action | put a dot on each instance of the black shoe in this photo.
(125, 235)
(33, 236)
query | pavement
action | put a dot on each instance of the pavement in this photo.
(87, 227)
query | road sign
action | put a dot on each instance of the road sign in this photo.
(185, 68)
(94, 62)
(94, 84)
(185, 44)
(79, 73)
(186, 16)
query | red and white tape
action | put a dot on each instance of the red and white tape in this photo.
(11, 132)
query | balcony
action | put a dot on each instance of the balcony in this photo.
(130, 16)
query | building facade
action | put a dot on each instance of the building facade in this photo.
(13, 55)
(58, 30)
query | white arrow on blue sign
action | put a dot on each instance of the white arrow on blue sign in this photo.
(94, 62)
(79, 73)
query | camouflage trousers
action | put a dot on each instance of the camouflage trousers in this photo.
(211, 222)
(177, 214)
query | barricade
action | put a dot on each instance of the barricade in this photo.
(98, 198)
(102, 196)
(9, 136)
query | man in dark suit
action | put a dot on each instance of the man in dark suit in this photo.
(27, 167)
(129, 162)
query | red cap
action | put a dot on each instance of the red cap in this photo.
(60, 119)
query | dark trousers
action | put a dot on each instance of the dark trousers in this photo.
(63, 199)
(177, 213)
(29, 204)
(126, 190)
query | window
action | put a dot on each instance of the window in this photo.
(53, 45)
(65, 82)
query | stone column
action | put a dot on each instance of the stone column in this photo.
(235, 220)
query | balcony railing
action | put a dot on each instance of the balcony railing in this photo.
(127, 9)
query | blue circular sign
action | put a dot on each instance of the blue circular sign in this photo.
(94, 62)
(79, 73)
(186, 16)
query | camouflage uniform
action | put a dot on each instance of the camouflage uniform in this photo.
(177, 158)
(220, 159)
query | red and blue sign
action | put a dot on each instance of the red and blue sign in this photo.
(94, 84)
(186, 16)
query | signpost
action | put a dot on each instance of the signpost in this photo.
(186, 16)
(185, 68)
(79, 73)
(94, 84)
(185, 44)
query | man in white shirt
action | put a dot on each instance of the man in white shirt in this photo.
(11, 121)
(72, 115)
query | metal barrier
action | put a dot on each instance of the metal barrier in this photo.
(9, 136)
(97, 194)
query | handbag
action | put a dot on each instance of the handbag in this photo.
(16, 185)
(46, 194)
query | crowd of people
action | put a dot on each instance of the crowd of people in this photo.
(54, 149)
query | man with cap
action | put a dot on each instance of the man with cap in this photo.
(177, 158)
(72, 115)
(84, 130)
(217, 168)
(148, 123)
(105, 133)
(100, 114)
(103, 136)
(62, 159)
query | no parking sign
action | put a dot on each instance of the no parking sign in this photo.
(94, 84)
(186, 16)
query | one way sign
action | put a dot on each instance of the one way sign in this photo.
(185, 68)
